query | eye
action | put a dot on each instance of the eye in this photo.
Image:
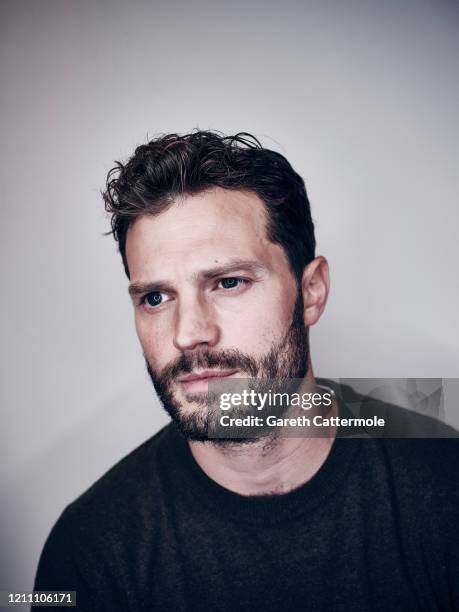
(232, 282)
(154, 299)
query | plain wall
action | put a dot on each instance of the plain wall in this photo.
(362, 98)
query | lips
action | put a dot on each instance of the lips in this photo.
(198, 382)
(205, 375)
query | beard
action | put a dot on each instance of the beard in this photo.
(286, 359)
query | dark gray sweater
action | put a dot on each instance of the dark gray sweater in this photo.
(375, 529)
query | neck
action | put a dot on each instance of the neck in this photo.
(266, 466)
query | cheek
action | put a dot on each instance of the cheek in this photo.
(154, 340)
(256, 329)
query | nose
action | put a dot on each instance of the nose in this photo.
(195, 325)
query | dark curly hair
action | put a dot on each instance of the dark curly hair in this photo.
(172, 165)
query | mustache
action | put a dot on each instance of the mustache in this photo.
(231, 359)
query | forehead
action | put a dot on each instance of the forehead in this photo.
(199, 230)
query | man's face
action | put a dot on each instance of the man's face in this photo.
(213, 297)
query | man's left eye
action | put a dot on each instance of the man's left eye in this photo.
(230, 283)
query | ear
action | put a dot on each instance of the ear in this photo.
(315, 285)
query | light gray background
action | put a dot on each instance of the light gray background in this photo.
(361, 96)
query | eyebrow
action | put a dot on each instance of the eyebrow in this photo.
(231, 267)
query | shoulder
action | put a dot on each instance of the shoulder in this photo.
(99, 528)
(126, 492)
(416, 454)
(419, 478)
(430, 460)
(422, 476)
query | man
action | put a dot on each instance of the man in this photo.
(217, 241)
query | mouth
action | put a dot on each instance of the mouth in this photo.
(198, 381)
